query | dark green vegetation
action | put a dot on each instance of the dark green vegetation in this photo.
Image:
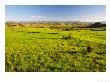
(55, 47)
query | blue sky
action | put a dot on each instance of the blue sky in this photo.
(88, 13)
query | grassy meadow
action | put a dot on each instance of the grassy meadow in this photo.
(54, 48)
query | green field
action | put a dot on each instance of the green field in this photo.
(50, 50)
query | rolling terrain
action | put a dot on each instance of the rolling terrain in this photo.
(55, 47)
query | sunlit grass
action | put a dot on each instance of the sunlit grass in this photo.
(42, 49)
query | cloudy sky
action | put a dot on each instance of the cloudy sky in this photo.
(88, 13)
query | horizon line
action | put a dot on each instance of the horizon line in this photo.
(56, 21)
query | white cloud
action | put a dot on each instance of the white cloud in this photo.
(37, 17)
(79, 18)
(89, 18)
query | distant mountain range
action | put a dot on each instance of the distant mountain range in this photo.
(103, 22)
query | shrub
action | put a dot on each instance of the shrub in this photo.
(67, 37)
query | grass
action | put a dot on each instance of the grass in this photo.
(51, 50)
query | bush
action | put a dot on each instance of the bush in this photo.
(67, 37)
